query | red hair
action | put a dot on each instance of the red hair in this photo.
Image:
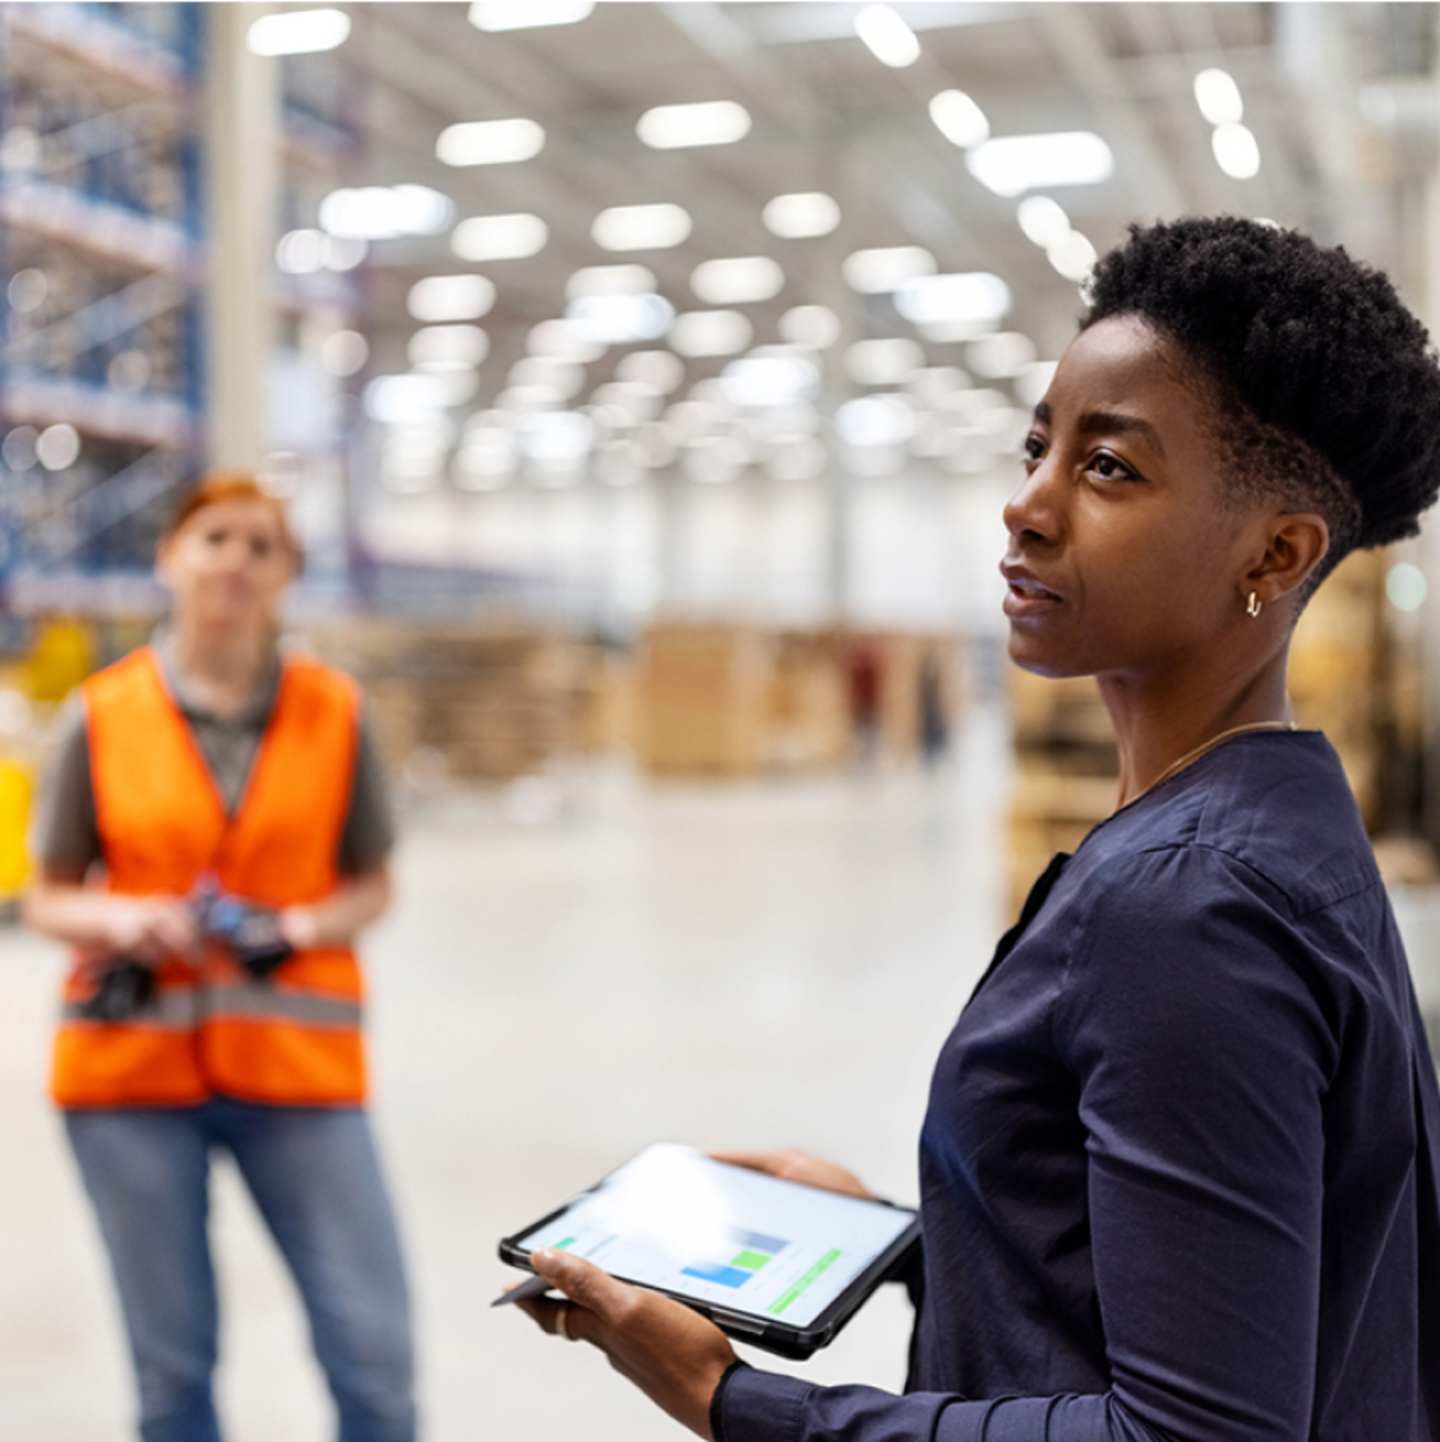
(217, 486)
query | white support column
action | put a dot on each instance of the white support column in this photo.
(241, 123)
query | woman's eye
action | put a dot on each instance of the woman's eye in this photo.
(1033, 449)
(1106, 465)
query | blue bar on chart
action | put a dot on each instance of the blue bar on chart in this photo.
(713, 1272)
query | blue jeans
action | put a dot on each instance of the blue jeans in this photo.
(315, 1177)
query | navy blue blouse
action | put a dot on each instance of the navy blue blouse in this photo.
(1179, 1169)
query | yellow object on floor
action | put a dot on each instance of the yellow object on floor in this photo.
(17, 789)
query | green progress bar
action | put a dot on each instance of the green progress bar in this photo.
(776, 1308)
(749, 1261)
(568, 1242)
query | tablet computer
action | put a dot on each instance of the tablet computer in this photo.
(777, 1264)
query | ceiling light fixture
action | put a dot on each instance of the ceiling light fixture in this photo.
(1015, 163)
(887, 37)
(681, 127)
(490, 142)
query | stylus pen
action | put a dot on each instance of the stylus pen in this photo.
(531, 1287)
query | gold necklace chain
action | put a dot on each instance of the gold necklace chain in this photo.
(1209, 745)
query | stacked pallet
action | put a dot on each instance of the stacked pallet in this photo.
(809, 709)
(493, 702)
(703, 698)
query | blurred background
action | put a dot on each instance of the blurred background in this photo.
(646, 381)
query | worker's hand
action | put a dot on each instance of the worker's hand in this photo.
(671, 1353)
(790, 1164)
(150, 928)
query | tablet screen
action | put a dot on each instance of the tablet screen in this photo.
(673, 1218)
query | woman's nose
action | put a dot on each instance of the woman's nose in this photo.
(1034, 509)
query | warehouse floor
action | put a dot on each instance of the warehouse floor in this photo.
(568, 975)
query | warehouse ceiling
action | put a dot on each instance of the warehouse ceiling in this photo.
(1329, 94)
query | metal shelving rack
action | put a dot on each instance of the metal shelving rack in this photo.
(117, 79)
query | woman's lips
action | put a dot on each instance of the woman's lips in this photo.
(1024, 599)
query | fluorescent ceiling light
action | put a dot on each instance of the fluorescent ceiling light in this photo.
(398, 400)
(57, 447)
(1073, 256)
(974, 298)
(458, 345)
(499, 237)
(440, 298)
(738, 280)
(496, 15)
(299, 32)
(610, 280)
(562, 340)
(679, 127)
(656, 368)
(887, 37)
(801, 214)
(959, 119)
(999, 356)
(875, 421)
(816, 327)
(490, 142)
(641, 227)
(566, 378)
(1218, 97)
(710, 333)
(523, 400)
(556, 438)
(931, 384)
(344, 252)
(301, 252)
(385, 212)
(887, 268)
(620, 319)
(635, 400)
(1042, 219)
(1014, 163)
(760, 381)
(344, 353)
(1236, 151)
(883, 362)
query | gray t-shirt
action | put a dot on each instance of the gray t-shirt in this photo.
(67, 836)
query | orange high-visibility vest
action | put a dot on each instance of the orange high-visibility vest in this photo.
(293, 1039)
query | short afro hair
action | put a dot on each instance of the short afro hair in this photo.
(1300, 344)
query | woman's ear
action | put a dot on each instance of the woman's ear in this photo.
(1297, 543)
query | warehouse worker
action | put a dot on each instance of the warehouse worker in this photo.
(212, 839)
(1178, 1175)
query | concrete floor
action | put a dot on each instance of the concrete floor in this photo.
(746, 965)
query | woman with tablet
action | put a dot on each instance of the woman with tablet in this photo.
(1178, 1175)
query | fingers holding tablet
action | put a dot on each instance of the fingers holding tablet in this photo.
(674, 1355)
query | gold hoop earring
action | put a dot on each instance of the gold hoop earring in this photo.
(1252, 606)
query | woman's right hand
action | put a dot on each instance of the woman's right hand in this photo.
(149, 928)
(790, 1164)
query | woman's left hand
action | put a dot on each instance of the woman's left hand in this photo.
(671, 1353)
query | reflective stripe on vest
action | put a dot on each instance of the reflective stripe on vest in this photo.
(293, 1039)
(183, 1008)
